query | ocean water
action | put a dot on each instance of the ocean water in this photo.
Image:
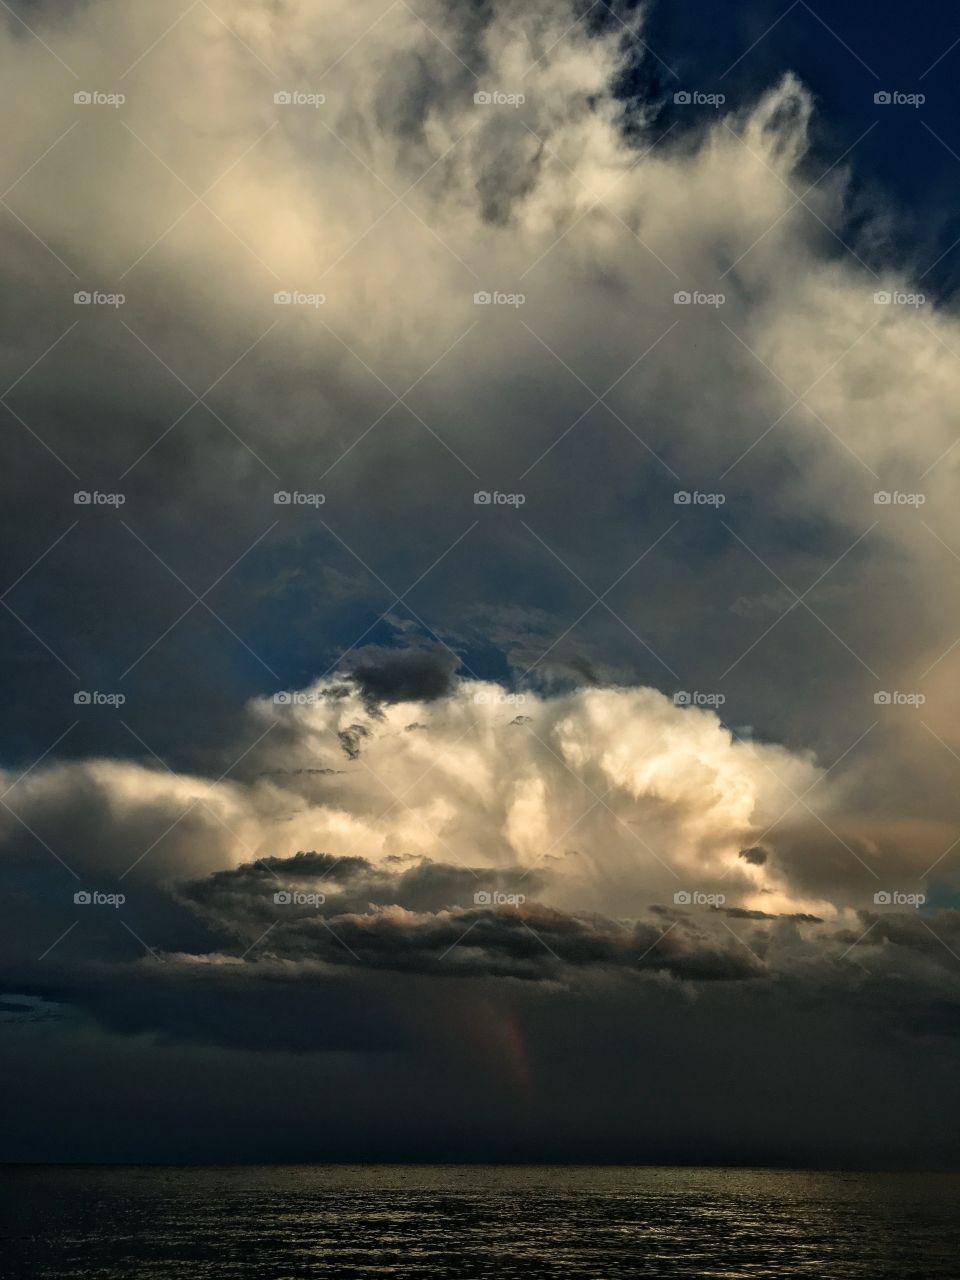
(271, 1222)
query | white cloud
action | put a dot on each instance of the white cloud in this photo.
(619, 796)
(296, 205)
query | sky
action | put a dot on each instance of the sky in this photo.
(480, 631)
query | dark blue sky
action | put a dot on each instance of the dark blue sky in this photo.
(844, 54)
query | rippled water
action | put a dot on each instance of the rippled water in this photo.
(377, 1220)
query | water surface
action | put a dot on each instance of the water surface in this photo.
(114, 1222)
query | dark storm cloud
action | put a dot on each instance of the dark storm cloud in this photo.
(420, 916)
(301, 773)
(233, 1006)
(349, 883)
(351, 739)
(937, 937)
(252, 971)
(408, 675)
(531, 942)
(742, 913)
(437, 1019)
(755, 856)
(415, 915)
(28, 1009)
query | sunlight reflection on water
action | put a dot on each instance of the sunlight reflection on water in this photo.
(405, 1221)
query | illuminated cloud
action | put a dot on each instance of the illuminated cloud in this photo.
(692, 666)
(620, 792)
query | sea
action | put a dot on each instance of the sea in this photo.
(273, 1222)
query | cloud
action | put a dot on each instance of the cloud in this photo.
(404, 675)
(487, 693)
(432, 918)
(623, 793)
(414, 915)
(605, 829)
(571, 194)
(755, 856)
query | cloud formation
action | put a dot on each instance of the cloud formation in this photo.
(571, 194)
(619, 790)
(696, 642)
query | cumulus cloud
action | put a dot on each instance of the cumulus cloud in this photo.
(694, 653)
(619, 791)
